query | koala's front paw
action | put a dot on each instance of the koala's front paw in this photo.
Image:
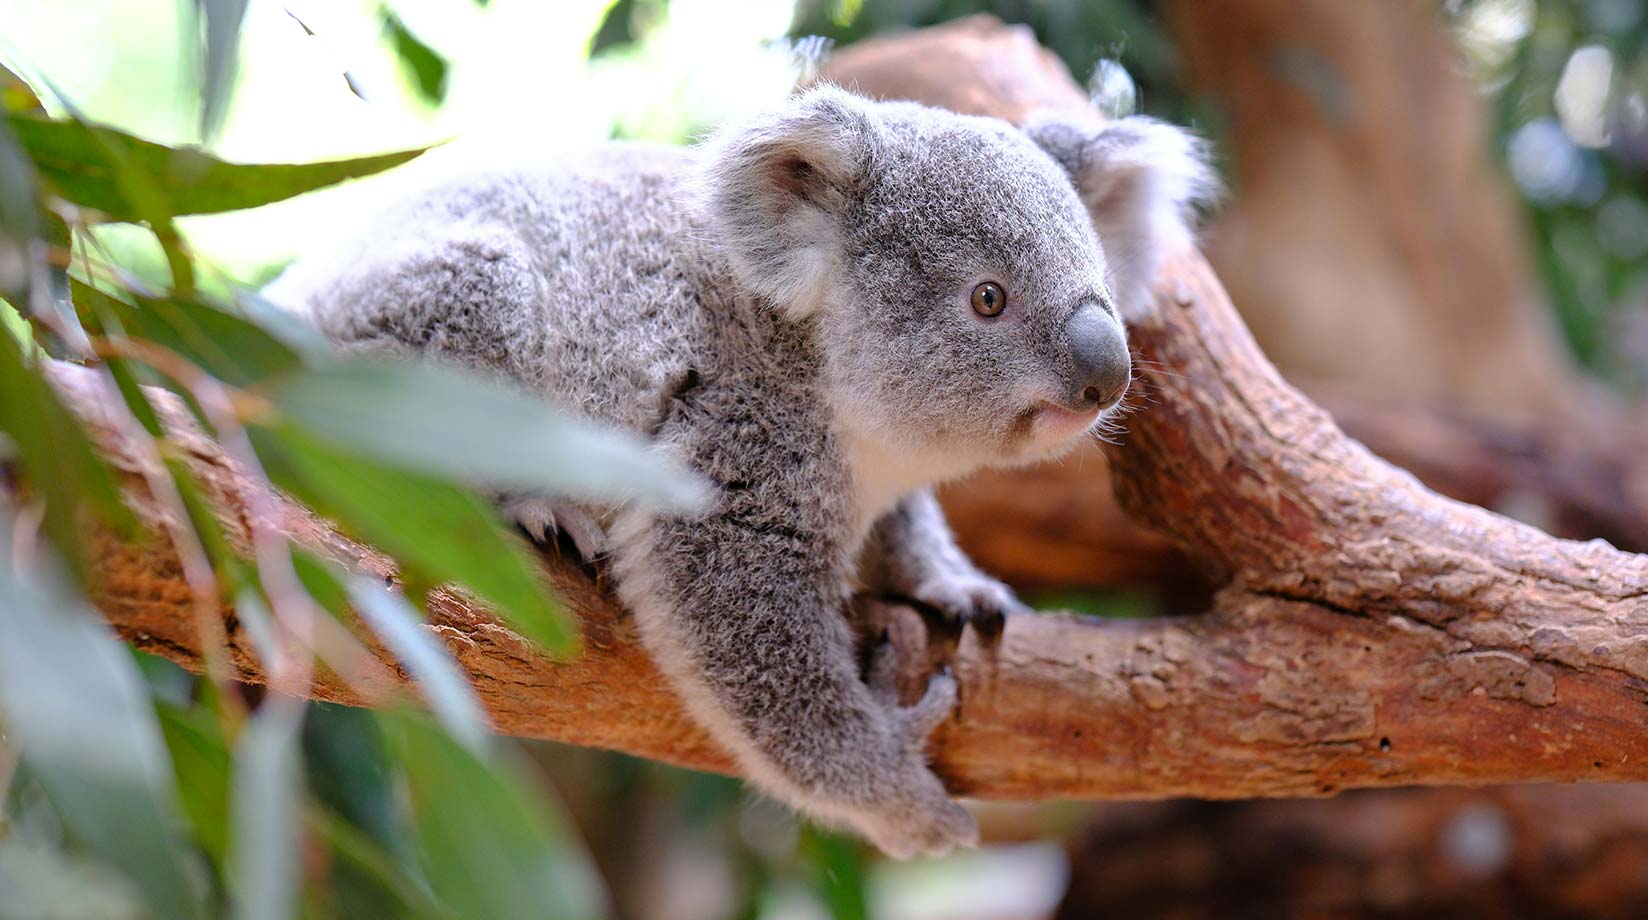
(542, 518)
(915, 816)
(962, 597)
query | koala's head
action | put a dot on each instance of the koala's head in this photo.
(960, 293)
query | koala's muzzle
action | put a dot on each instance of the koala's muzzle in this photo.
(1101, 367)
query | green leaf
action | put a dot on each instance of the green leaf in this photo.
(76, 705)
(358, 849)
(82, 163)
(443, 685)
(13, 324)
(39, 883)
(447, 422)
(426, 67)
(57, 457)
(491, 845)
(322, 580)
(200, 761)
(839, 867)
(231, 348)
(255, 617)
(19, 217)
(436, 530)
(267, 800)
(222, 42)
(16, 95)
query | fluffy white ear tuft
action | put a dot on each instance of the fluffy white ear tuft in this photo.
(1142, 181)
(777, 189)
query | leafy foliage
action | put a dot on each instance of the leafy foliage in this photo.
(186, 796)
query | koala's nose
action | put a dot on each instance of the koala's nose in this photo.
(1098, 349)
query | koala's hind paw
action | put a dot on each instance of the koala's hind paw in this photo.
(542, 518)
(927, 823)
(917, 817)
(915, 722)
(956, 599)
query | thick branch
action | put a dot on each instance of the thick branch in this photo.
(1369, 633)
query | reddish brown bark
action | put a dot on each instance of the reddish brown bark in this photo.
(1368, 632)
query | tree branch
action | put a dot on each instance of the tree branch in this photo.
(1368, 632)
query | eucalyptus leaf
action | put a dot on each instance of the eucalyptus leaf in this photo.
(19, 216)
(74, 702)
(425, 65)
(492, 846)
(436, 530)
(259, 624)
(124, 177)
(230, 347)
(443, 685)
(58, 461)
(359, 850)
(40, 883)
(222, 42)
(82, 163)
(201, 763)
(267, 801)
(448, 422)
(16, 95)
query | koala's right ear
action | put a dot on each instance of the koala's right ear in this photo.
(777, 190)
(1142, 181)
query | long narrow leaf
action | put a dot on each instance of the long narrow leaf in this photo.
(232, 348)
(81, 164)
(222, 39)
(201, 762)
(444, 686)
(492, 847)
(439, 531)
(447, 422)
(72, 697)
(57, 458)
(267, 802)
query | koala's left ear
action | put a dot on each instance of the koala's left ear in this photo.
(1141, 180)
(779, 188)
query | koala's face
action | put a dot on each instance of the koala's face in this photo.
(970, 311)
(949, 263)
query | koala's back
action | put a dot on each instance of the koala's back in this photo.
(584, 280)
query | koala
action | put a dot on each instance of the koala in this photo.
(824, 311)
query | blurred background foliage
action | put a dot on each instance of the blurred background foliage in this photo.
(265, 809)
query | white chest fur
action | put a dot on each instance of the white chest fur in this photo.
(883, 473)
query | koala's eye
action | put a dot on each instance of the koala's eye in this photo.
(989, 299)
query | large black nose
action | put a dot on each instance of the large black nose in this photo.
(1098, 351)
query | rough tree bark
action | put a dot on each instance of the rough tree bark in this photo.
(1367, 632)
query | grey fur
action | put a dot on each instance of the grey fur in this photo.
(787, 312)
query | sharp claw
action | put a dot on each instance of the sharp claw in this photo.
(989, 622)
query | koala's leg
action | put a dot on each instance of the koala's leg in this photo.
(744, 612)
(911, 554)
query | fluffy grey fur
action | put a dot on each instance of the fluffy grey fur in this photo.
(787, 310)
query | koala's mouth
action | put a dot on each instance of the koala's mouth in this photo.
(1048, 423)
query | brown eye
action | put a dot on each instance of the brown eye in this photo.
(989, 299)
